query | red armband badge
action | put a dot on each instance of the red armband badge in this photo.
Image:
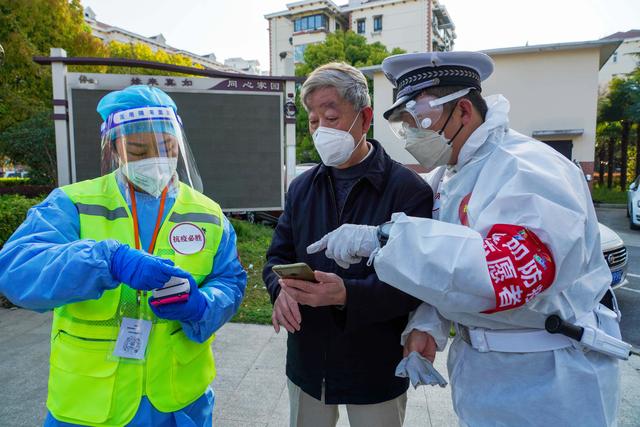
(520, 265)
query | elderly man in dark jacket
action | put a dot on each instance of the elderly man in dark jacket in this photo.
(345, 330)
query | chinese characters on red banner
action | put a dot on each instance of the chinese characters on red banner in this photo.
(520, 265)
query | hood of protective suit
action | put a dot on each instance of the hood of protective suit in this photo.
(497, 120)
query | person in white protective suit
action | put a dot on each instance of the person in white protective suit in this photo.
(514, 239)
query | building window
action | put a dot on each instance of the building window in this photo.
(361, 25)
(298, 53)
(309, 23)
(377, 23)
(615, 57)
(337, 26)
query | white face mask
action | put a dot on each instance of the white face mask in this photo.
(335, 146)
(429, 148)
(151, 175)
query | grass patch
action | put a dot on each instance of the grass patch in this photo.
(253, 242)
(608, 195)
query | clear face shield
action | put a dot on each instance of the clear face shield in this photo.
(420, 113)
(148, 147)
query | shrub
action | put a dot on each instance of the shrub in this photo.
(13, 210)
(32, 143)
(29, 191)
(12, 182)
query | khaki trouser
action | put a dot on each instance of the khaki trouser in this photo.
(307, 411)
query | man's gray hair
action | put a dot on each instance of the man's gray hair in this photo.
(350, 83)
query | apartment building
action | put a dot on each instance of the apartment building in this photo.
(624, 60)
(412, 25)
(108, 33)
(249, 66)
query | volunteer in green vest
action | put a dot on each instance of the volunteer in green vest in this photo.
(94, 251)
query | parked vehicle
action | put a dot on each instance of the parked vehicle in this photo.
(16, 174)
(303, 167)
(615, 253)
(633, 204)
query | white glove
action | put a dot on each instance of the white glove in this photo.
(348, 244)
(419, 370)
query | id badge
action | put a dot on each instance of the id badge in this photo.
(132, 339)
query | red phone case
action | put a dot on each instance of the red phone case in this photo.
(170, 300)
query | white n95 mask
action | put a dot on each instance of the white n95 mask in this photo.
(430, 148)
(335, 146)
(151, 175)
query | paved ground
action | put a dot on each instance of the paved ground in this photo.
(629, 295)
(250, 387)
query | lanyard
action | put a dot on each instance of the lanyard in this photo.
(136, 229)
(134, 213)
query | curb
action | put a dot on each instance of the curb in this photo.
(610, 205)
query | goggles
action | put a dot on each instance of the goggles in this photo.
(421, 113)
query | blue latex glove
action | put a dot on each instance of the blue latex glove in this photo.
(191, 310)
(142, 271)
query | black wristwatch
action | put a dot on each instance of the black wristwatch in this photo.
(383, 232)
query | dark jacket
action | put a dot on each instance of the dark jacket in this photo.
(354, 349)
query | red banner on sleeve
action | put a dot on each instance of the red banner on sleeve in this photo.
(520, 265)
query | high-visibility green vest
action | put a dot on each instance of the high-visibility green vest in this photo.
(89, 386)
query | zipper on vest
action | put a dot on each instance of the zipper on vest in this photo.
(145, 366)
(62, 331)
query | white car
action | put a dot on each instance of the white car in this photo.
(303, 167)
(633, 204)
(615, 253)
(16, 174)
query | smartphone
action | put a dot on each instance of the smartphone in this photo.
(175, 290)
(300, 271)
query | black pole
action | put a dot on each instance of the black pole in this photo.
(126, 62)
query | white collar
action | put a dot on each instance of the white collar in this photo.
(497, 117)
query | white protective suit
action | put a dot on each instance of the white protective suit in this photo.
(514, 180)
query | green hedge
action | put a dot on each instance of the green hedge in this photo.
(10, 182)
(28, 191)
(13, 210)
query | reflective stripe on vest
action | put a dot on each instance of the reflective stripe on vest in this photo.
(87, 385)
(97, 210)
(195, 217)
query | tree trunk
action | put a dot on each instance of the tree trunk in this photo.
(624, 154)
(601, 157)
(637, 149)
(610, 163)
